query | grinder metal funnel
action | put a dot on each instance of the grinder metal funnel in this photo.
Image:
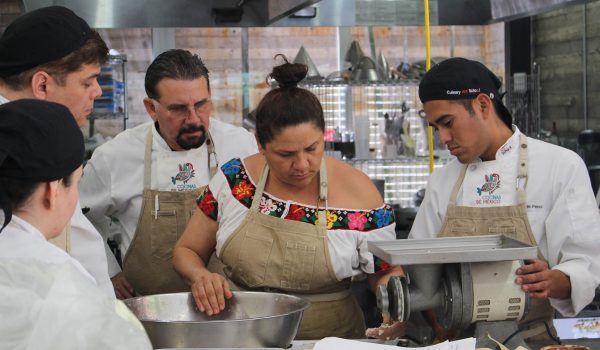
(303, 58)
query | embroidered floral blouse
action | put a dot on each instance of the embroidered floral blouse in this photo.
(229, 195)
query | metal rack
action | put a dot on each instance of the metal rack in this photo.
(360, 109)
(523, 101)
(372, 115)
(403, 177)
(116, 112)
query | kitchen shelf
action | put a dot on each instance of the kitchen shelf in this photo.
(113, 107)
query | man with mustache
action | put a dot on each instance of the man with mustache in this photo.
(503, 182)
(145, 182)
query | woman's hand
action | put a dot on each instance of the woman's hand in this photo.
(389, 329)
(210, 291)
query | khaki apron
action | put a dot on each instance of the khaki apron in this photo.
(273, 254)
(163, 217)
(63, 241)
(511, 221)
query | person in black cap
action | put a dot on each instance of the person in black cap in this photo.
(52, 54)
(503, 182)
(41, 157)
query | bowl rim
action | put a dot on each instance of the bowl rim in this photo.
(303, 302)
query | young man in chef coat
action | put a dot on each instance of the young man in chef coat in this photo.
(147, 179)
(52, 54)
(503, 182)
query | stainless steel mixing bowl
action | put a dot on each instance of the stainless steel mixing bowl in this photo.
(250, 319)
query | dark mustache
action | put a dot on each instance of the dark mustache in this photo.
(192, 129)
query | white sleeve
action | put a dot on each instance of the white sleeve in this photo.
(95, 193)
(386, 233)
(573, 236)
(429, 219)
(87, 247)
(43, 304)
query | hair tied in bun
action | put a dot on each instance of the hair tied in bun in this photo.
(288, 75)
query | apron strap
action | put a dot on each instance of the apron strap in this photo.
(148, 159)
(212, 155)
(457, 184)
(260, 188)
(522, 171)
(323, 185)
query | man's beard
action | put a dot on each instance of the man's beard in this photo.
(193, 143)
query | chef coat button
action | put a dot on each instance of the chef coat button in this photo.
(324, 184)
(523, 146)
(522, 164)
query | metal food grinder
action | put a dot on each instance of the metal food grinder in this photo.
(468, 281)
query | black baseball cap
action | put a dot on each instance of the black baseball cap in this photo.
(40, 36)
(458, 78)
(39, 142)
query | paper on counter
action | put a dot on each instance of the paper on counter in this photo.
(333, 343)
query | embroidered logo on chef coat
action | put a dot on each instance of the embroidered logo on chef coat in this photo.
(492, 183)
(186, 172)
(505, 149)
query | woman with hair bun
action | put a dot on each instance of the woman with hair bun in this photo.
(290, 219)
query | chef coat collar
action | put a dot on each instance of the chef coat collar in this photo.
(507, 149)
(28, 227)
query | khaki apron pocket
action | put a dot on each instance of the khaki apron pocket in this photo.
(506, 227)
(251, 266)
(298, 266)
(164, 235)
(462, 226)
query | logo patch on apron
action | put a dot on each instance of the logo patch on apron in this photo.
(186, 172)
(492, 183)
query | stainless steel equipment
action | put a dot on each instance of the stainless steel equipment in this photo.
(303, 57)
(466, 280)
(250, 320)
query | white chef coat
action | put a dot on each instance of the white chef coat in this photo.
(87, 246)
(21, 240)
(52, 305)
(113, 179)
(561, 208)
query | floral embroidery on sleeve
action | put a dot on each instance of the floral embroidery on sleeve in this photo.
(296, 213)
(357, 221)
(267, 206)
(208, 204)
(243, 190)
